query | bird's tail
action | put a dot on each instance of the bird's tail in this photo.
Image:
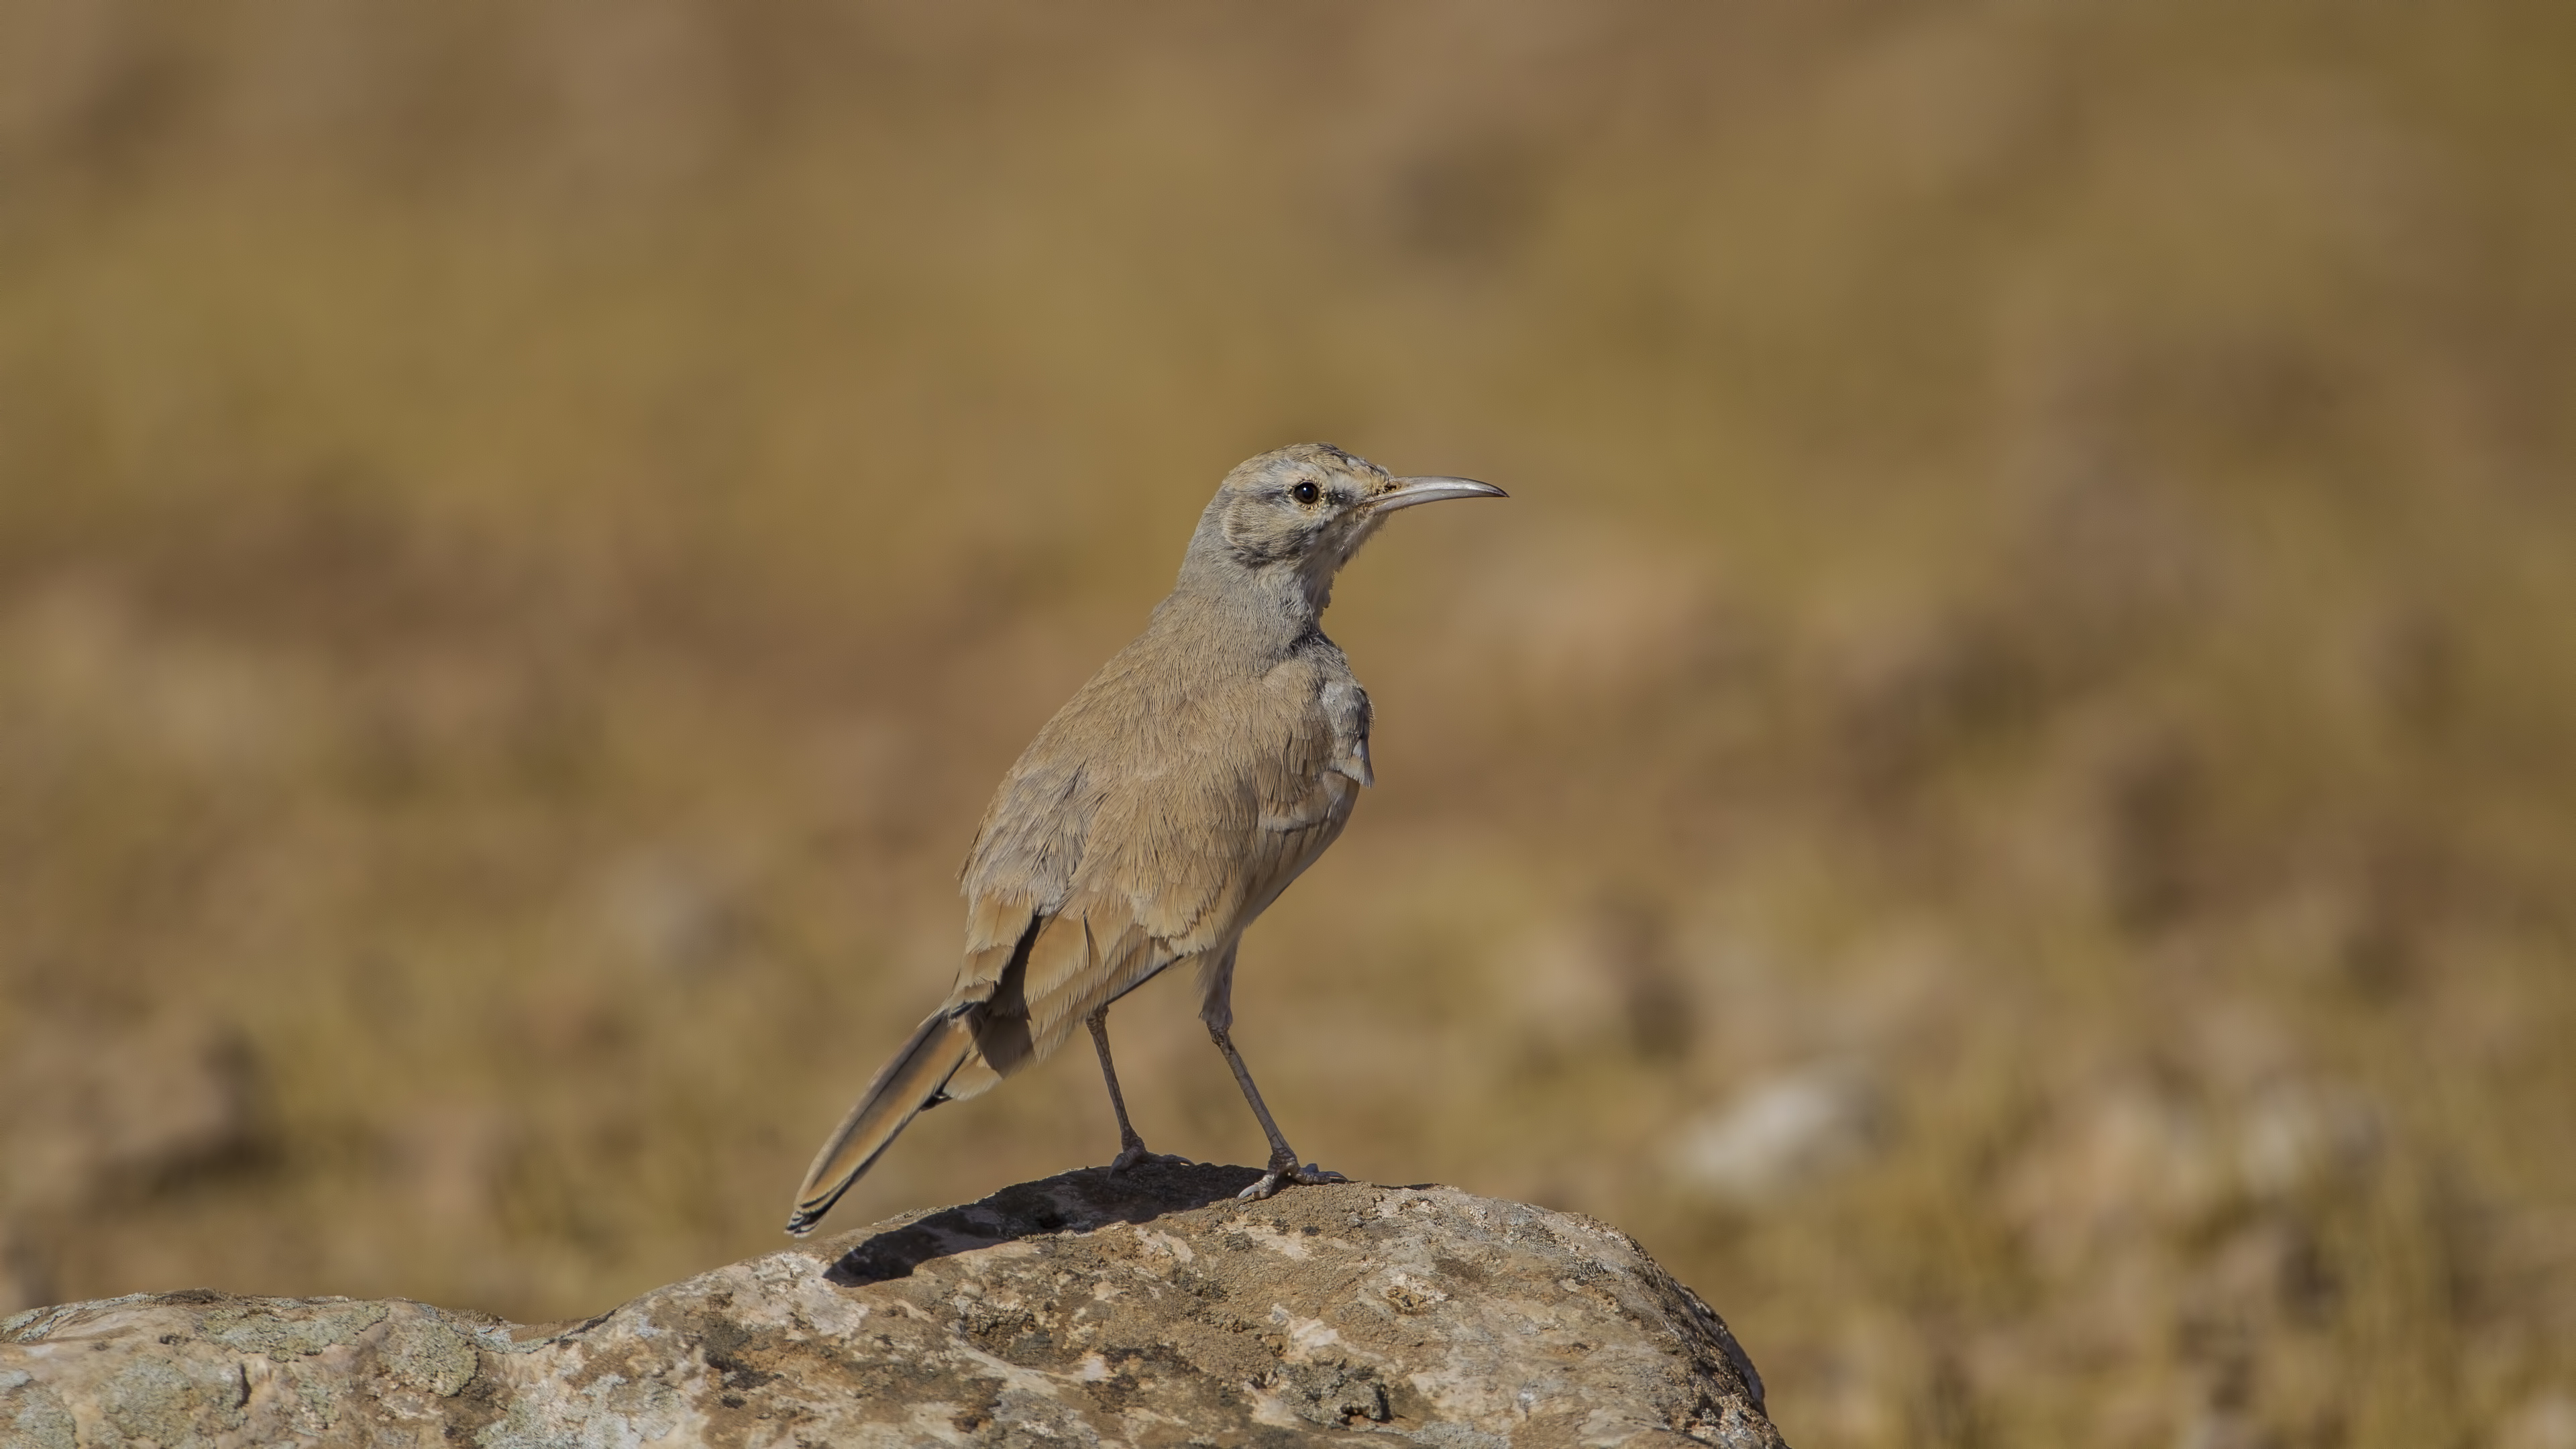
(915, 1079)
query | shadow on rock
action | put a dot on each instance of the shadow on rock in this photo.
(1074, 1202)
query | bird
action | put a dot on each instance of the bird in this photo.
(1159, 812)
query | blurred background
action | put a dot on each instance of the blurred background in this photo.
(2000, 794)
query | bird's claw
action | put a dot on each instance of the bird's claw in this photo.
(1278, 1177)
(1135, 1153)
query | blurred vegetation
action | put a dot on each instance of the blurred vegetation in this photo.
(2001, 793)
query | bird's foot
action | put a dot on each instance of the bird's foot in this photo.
(1134, 1153)
(1278, 1177)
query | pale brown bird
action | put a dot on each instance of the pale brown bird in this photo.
(1164, 807)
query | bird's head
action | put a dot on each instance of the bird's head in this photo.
(1295, 516)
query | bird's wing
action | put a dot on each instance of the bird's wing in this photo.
(1160, 844)
(1112, 849)
(1145, 825)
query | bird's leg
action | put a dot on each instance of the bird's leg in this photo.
(1131, 1147)
(1283, 1158)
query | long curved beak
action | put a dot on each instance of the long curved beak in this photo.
(1410, 491)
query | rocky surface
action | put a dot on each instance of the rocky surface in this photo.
(1150, 1309)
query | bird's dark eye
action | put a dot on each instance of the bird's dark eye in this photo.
(1305, 493)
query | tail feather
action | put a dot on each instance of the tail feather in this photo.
(915, 1079)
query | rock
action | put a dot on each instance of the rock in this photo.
(1149, 1309)
(1784, 1134)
